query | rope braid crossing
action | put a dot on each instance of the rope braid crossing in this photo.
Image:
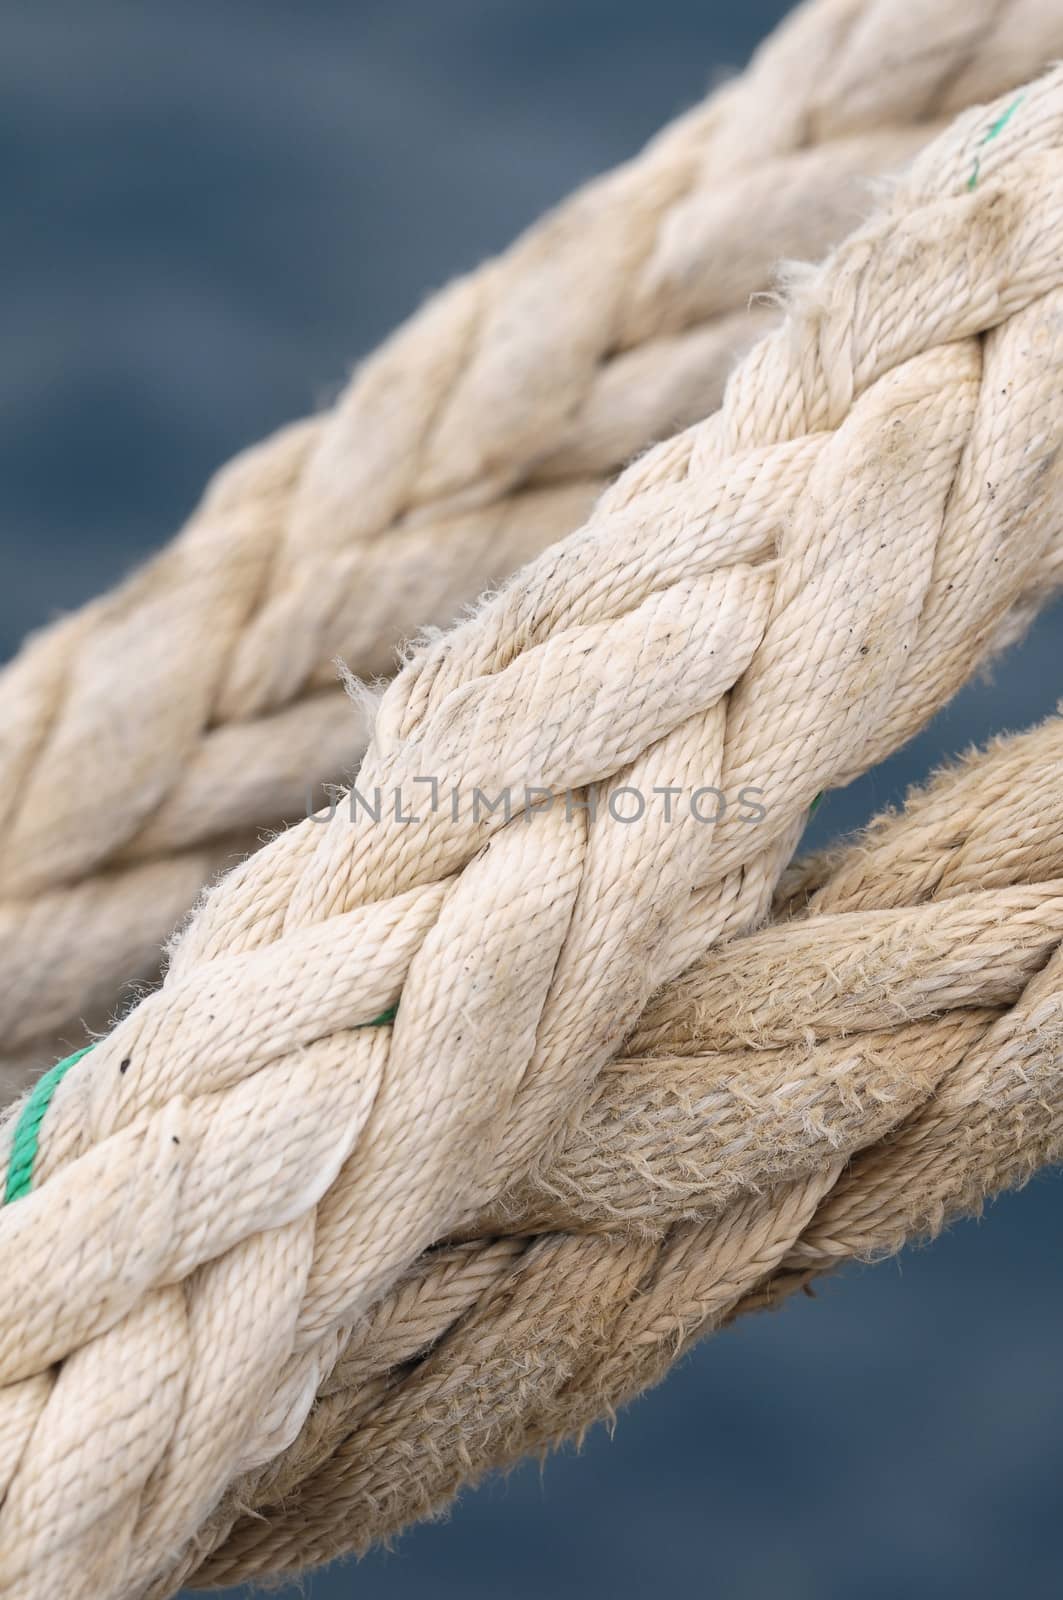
(778, 596)
(434, 475)
(960, 1093)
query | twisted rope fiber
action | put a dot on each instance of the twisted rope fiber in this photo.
(144, 738)
(778, 596)
(27, 1129)
(709, 1148)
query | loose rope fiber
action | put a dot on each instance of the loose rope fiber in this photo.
(242, 1172)
(144, 740)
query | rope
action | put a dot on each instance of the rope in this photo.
(435, 474)
(34, 1107)
(242, 1171)
(904, 1126)
(28, 1127)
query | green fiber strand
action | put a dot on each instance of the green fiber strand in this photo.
(28, 1127)
(991, 133)
(382, 1021)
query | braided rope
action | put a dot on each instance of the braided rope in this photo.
(448, 1377)
(775, 599)
(478, 434)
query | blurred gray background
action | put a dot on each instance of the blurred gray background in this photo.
(210, 210)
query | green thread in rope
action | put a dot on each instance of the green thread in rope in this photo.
(28, 1128)
(814, 807)
(384, 1018)
(991, 133)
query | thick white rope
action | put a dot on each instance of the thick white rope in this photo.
(144, 739)
(775, 598)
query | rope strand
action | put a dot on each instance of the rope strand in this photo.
(433, 477)
(242, 1171)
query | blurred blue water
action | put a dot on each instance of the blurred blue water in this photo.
(210, 211)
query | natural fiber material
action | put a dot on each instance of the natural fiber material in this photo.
(477, 435)
(26, 1132)
(449, 1375)
(498, 1346)
(242, 1172)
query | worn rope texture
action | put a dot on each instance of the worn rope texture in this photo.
(196, 703)
(775, 598)
(756, 1144)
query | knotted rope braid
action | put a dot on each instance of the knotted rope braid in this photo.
(143, 739)
(919, 1068)
(777, 597)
